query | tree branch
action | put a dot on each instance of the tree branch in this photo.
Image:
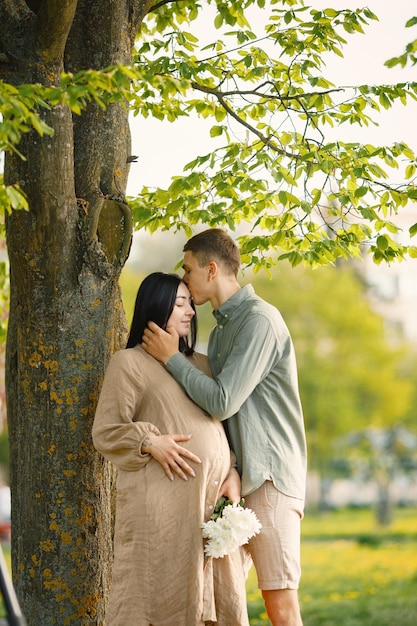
(139, 9)
(54, 21)
(297, 97)
(267, 141)
(160, 4)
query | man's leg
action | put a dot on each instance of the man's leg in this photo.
(282, 607)
(275, 552)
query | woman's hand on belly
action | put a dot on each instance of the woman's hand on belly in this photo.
(166, 450)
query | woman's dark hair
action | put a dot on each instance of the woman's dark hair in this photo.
(155, 302)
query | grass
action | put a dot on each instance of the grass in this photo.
(354, 574)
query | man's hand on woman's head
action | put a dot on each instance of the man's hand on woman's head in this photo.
(160, 344)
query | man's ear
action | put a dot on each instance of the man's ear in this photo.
(212, 269)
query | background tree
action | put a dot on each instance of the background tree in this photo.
(350, 377)
(357, 388)
(380, 455)
(67, 150)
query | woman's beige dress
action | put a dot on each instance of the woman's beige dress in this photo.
(160, 574)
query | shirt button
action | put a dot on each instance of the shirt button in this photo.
(210, 507)
(216, 482)
(221, 326)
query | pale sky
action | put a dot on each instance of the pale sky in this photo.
(164, 148)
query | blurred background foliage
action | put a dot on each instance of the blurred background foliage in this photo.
(354, 382)
(359, 392)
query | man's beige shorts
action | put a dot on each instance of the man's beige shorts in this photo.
(275, 551)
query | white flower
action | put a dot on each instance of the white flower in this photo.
(230, 526)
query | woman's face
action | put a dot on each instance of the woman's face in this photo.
(182, 313)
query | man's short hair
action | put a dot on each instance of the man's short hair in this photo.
(215, 244)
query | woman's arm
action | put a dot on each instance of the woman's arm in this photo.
(128, 443)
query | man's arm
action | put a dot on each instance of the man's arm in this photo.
(250, 358)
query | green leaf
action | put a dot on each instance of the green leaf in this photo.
(316, 197)
(218, 21)
(16, 198)
(216, 131)
(382, 242)
(361, 191)
(410, 170)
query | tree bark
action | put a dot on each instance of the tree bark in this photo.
(66, 316)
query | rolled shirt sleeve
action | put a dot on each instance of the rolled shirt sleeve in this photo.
(249, 359)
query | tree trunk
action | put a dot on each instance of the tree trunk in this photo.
(66, 316)
(384, 507)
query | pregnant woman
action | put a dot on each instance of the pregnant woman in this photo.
(173, 464)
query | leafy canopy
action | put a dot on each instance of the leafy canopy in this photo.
(263, 85)
(410, 53)
(314, 200)
(21, 111)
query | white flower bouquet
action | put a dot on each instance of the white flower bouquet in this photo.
(229, 527)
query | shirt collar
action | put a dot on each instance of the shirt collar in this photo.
(226, 310)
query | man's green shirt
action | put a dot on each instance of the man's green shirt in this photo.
(254, 390)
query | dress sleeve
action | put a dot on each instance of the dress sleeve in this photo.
(115, 432)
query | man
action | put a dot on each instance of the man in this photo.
(254, 389)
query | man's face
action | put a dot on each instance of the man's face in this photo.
(196, 278)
